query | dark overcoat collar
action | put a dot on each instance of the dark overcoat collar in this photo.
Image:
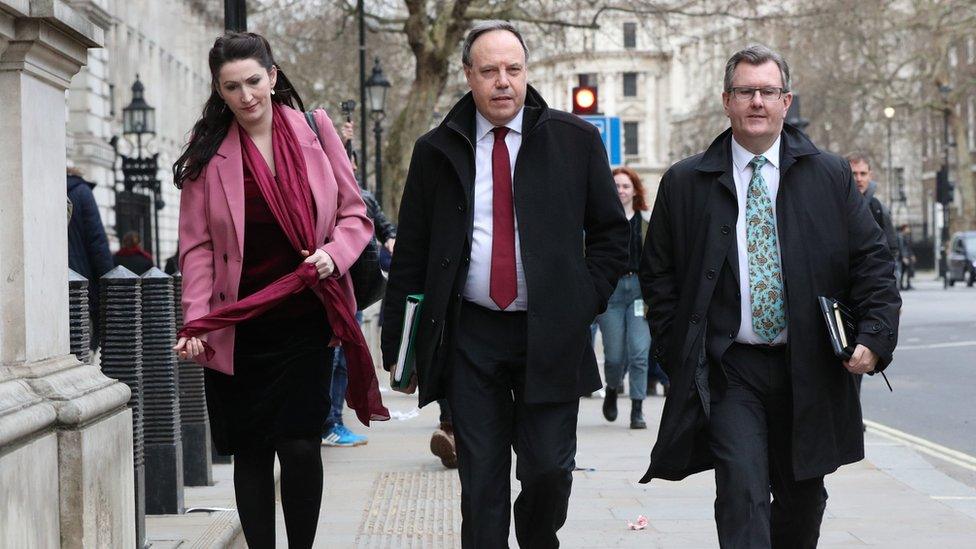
(455, 136)
(794, 144)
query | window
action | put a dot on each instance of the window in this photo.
(630, 84)
(586, 79)
(631, 147)
(630, 35)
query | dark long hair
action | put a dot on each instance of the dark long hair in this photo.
(209, 132)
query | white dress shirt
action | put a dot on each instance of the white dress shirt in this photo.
(742, 174)
(477, 285)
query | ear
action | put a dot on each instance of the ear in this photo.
(726, 98)
(273, 75)
(787, 101)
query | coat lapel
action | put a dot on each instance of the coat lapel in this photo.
(230, 168)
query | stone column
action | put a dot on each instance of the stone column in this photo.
(65, 434)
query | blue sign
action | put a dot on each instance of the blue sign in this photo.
(609, 127)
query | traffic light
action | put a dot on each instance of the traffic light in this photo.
(585, 100)
(944, 189)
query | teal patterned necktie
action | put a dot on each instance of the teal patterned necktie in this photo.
(765, 276)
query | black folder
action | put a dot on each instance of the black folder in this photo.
(841, 322)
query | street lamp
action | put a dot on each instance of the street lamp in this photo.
(138, 120)
(889, 113)
(376, 87)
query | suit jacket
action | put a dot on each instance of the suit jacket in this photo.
(212, 224)
(830, 246)
(573, 237)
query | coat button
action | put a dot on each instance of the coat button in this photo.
(445, 263)
(433, 322)
(877, 326)
(467, 260)
(460, 207)
(222, 296)
(726, 229)
(731, 335)
(710, 274)
(695, 318)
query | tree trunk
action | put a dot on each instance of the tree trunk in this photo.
(413, 121)
(965, 182)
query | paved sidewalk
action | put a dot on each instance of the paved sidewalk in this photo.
(393, 494)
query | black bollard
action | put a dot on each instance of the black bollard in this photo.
(121, 330)
(197, 467)
(164, 448)
(79, 326)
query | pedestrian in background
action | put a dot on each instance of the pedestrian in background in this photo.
(264, 202)
(336, 433)
(626, 339)
(496, 204)
(745, 237)
(906, 254)
(132, 256)
(864, 179)
(88, 253)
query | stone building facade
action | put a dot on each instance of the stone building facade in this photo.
(66, 465)
(165, 45)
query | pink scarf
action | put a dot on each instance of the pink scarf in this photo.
(290, 201)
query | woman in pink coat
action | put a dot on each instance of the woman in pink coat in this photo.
(268, 377)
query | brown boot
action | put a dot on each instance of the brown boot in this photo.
(442, 445)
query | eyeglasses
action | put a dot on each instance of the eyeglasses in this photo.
(746, 93)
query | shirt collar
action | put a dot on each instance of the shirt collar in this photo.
(741, 157)
(483, 127)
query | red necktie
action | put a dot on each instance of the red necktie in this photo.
(503, 288)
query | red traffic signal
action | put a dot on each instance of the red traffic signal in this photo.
(585, 100)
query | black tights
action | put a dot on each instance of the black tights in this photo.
(301, 491)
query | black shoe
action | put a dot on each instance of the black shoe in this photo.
(637, 415)
(610, 405)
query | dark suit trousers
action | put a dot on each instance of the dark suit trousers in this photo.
(750, 432)
(487, 398)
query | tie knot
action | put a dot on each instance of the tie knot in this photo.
(757, 163)
(500, 132)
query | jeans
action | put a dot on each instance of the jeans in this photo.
(626, 339)
(340, 380)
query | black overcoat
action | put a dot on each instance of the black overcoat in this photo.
(830, 246)
(573, 237)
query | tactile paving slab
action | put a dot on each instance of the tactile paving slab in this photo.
(413, 510)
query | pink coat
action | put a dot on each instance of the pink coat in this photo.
(212, 224)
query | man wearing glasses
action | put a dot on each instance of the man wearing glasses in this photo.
(746, 236)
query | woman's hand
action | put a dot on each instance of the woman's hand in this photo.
(322, 261)
(187, 348)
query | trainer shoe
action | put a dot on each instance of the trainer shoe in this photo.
(339, 435)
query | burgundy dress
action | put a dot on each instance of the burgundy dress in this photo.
(282, 361)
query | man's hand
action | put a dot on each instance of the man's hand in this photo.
(322, 261)
(410, 389)
(862, 361)
(347, 133)
(390, 243)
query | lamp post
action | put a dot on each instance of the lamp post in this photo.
(235, 15)
(889, 113)
(376, 88)
(138, 120)
(944, 90)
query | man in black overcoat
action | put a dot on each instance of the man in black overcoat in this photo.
(742, 240)
(511, 227)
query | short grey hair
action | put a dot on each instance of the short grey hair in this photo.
(757, 54)
(488, 26)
